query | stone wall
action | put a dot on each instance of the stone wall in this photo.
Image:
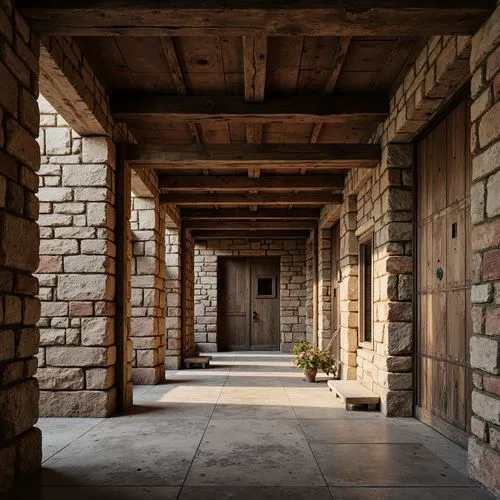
(293, 283)
(174, 302)
(484, 446)
(77, 271)
(384, 208)
(187, 294)
(324, 287)
(20, 442)
(148, 291)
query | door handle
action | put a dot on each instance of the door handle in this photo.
(254, 316)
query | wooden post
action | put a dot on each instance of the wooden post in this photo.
(122, 235)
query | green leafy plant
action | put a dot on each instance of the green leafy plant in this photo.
(301, 345)
(311, 358)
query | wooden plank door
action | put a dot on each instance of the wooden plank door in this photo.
(233, 304)
(265, 303)
(444, 383)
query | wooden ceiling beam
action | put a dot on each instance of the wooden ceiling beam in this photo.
(240, 183)
(251, 235)
(163, 108)
(184, 198)
(250, 17)
(259, 214)
(266, 225)
(248, 155)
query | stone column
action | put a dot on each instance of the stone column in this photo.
(484, 446)
(348, 288)
(148, 292)
(20, 442)
(76, 272)
(173, 328)
(324, 287)
(187, 257)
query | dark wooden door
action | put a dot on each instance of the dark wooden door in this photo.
(264, 304)
(248, 304)
(444, 384)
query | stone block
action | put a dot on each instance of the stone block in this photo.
(88, 264)
(58, 141)
(61, 378)
(55, 194)
(18, 408)
(486, 406)
(97, 150)
(82, 404)
(7, 453)
(148, 376)
(396, 403)
(73, 356)
(15, 252)
(485, 354)
(99, 378)
(87, 176)
(85, 287)
(482, 293)
(493, 199)
(399, 338)
(97, 331)
(489, 126)
(484, 464)
(28, 452)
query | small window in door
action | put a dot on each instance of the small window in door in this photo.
(366, 291)
(266, 287)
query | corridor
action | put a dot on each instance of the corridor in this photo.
(249, 427)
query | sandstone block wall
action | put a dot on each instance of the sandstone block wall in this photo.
(174, 299)
(293, 286)
(148, 291)
(188, 294)
(20, 442)
(77, 271)
(484, 446)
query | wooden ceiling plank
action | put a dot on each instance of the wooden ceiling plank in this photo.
(164, 108)
(245, 199)
(240, 183)
(250, 17)
(245, 234)
(258, 214)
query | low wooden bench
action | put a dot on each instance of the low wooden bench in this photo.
(353, 394)
(203, 361)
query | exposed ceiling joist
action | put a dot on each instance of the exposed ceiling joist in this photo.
(188, 198)
(240, 183)
(250, 17)
(259, 214)
(337, 108)
(249, 224)
(246, 155)
(252, 235)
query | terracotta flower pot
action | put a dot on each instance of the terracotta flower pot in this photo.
(311, 375)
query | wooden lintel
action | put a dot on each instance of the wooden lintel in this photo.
(252, 235)
(258, 214)
(266, 225)
(333, 108)
(241, 183)
(248, 155)
(249, 17)
(244, 199)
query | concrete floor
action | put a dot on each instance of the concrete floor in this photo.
(248, 428)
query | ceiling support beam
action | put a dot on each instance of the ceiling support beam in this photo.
(247, 155)
(338, 108)
(266, 225)
(252, 235)
(239, 183)
(244, 17)
(188, 198)
(259, 214)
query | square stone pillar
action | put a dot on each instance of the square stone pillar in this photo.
(173, 327)
(484, 446)
(187, 263)
(20, 442)
(324, 287)
(148, 291)
(77, 272)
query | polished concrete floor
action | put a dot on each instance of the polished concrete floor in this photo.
(250, 427)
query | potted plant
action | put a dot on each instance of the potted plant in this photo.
(311, 359)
